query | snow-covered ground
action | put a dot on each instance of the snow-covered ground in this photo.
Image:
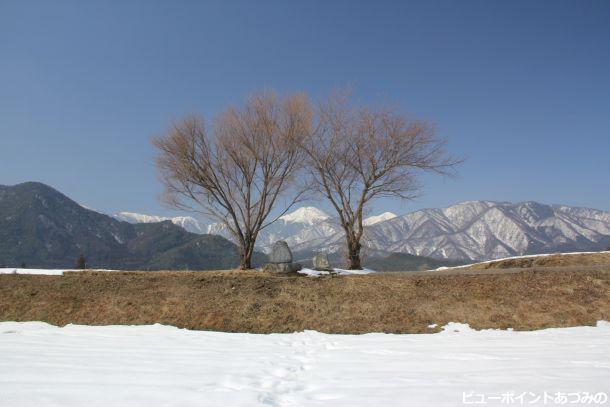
(74, 366)
(48, 272)
(309, 272)
(342, 272)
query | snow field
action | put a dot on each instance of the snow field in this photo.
(342, 272)
(306, 271)
(46, 272)
(155, 365)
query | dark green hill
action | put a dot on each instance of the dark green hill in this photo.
(383, 261)
(43, 228)
(408, 262)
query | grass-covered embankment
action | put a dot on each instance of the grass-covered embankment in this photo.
(258, 302)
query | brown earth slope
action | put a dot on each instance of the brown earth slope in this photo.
(258, 302)
(553, 260)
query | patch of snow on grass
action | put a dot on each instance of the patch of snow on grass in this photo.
(156, 365)
(341, 272)
(32, 271)
(47, 272)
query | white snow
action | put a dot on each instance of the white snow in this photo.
(307, 215)
(57, 272)
(187, 223)
(133, 217)
(342, 272)
(371, 220)
(31, 271)
(469, 231)
(48, 272)
(73, 366)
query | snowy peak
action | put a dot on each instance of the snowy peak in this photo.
(187, 223)
(133, 217)
(474, 230)
(483, 230)
(371, 220)
(307, 215)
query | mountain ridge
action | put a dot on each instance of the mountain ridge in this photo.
(470, 230)
(467, 231)
(42, 227)
(188, 223)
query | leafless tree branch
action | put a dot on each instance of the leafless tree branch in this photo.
(237, 172)
(356, 155)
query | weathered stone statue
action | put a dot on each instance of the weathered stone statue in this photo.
(321, 263)
(281, 259)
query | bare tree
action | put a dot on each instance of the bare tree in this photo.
(357, 155)
(239, 172)
(81, 262)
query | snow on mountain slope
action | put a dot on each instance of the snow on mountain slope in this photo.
(188, 223)
(132, 217)
(482, 230)
(306, 225)
(371, 220)
(307, 215)
(474, 230)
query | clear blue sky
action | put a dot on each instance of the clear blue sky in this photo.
(521, 88)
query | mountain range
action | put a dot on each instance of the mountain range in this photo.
(484, 230)
(468, 231)
(187, 223)
(43, 228)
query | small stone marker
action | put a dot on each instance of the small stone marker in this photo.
(281, 259)
(321, 263)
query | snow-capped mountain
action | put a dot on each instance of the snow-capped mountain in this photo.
(475, 230)
(482, 230)
(371, 220)
(307, 215)
(307, 225)
(187, 223)
(132, 217)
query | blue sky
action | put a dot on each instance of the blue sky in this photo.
(520, 88)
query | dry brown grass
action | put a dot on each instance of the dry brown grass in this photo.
(258, 302)
(554, 260)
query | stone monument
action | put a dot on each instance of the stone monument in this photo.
(280, 259)
(321, 263)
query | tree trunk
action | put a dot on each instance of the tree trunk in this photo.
(245, 261)
(245, 256)
(353, 255)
